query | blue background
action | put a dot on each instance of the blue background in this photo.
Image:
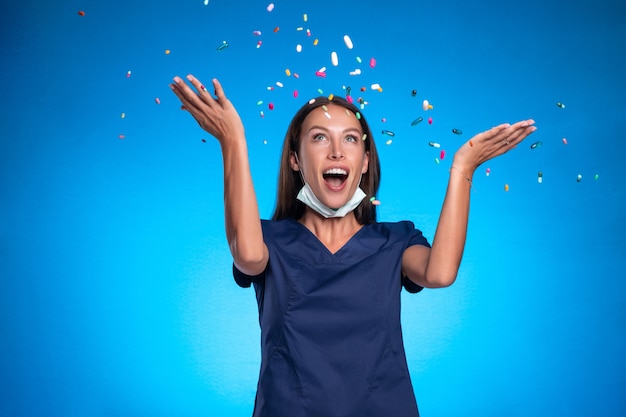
(116, 292)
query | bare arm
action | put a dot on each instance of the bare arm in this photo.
(438, 266)
(220, 118)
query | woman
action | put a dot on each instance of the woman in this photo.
(328, 276)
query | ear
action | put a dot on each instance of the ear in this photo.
(293, 161)
(366, 162)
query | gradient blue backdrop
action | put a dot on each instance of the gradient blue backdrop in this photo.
(116, 293)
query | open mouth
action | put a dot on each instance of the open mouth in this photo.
(335, 177)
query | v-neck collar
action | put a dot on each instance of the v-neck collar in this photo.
(339, 251)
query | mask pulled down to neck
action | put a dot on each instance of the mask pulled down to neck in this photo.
(307, 196)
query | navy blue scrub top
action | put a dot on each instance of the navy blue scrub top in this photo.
(331, 341)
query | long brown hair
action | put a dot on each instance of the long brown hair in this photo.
(290, 182)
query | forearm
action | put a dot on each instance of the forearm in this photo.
(449, 240)
(241, 212)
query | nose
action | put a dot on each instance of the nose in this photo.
(335, 150)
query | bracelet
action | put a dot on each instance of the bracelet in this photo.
(462, 173)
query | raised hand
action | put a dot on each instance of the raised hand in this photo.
(217, 115)
(491, 143)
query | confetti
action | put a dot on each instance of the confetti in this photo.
(348, 42)
(579, 178)
(442, 154)
(372, 62)
(564, 141)
(417, 121)
(457, 131)
(270, 7)
(157, 100)
(430, 120)
(535, 145)
(334, 58)
(434, 144)
(506, 187)
(425, 105)
(488, 171)
(540, 177)
(560, 105)
(413, 93)
(81, 13)
(223, 46)
(388, 133)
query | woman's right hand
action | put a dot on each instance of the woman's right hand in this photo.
(215, 115)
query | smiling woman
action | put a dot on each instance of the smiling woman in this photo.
(330, 130)
(327, 275)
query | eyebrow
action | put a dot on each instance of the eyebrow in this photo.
(349, 129)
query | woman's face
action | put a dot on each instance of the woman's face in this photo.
(332, 155)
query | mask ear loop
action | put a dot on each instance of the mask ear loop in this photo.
(300, 169)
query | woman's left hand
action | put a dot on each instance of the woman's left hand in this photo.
(491, 143)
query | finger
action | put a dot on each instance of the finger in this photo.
(219, 90)
(492, 133)
(516, 136)
(521, 130)
(182, 96)
(187, 96)
(202, 92)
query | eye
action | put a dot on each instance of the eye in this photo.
(351, 138)
(319, 137)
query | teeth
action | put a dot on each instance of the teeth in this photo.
(336, 171)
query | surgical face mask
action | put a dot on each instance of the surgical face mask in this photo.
(307, 196)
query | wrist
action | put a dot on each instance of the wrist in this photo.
(467, 168)
(458, 172)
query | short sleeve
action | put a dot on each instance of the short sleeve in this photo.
(417, 238)
(243, 280)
